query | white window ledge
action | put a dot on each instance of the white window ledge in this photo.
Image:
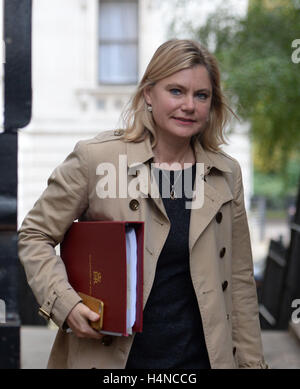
(105, 97)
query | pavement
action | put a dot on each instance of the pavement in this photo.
(36, 344)
(281, 348)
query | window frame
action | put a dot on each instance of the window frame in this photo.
(107, 41)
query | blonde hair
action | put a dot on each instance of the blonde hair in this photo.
(171, 57)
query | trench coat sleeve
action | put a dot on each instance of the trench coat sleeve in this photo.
(62, 202)
(245, 316)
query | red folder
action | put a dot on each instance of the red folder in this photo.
(94, 254)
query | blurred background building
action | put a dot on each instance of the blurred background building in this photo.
(88, 56)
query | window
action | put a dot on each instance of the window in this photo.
(118, 42)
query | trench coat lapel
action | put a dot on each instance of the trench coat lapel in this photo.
(215, 193)
(138, 156)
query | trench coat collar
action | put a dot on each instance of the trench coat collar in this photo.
(210, 159)
(141, 152)
(214, 195)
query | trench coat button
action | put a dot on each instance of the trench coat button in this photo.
(224, 285)
(118, 132)
(134, 204)
(219, 216)
(222, 252)
(107, 340)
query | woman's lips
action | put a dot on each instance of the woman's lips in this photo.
(184, 120)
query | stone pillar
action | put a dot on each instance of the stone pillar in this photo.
(17, 114)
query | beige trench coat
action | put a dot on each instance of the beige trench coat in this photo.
(220, 252)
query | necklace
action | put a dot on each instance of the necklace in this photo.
(173, 195)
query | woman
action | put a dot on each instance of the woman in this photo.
(200, 302)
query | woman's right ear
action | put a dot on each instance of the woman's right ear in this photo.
(147, 95)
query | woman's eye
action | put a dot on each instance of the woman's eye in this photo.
(175, 91)
(202, 96)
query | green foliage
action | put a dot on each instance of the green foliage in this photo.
(268, 185)
(277, 187)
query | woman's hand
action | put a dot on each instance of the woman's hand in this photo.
(78, 320)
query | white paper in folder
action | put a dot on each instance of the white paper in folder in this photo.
(131, 257)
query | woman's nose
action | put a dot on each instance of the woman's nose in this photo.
(188, 103)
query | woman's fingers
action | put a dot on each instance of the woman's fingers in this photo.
(92, 316)
(78, 321)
